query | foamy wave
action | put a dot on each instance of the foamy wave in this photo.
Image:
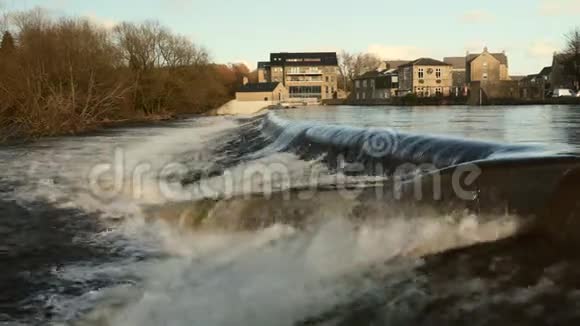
(280, 275)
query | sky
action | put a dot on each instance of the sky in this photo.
(247, 31)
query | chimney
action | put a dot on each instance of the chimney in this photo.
(245, 80)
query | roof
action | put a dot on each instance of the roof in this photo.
(456, 62)
(528, 78)
(393, 64)
(258, 87)
(501, 57)
(263, 64)
(369, 74)
(546, 71)
(517, 78)
(377, 73)
(426, 62)
(304, 59)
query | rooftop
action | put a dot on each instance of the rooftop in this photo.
(377, 73)
(258, 87)
(394, 64)
(501, 57)
(426, 62)
(304, 59)
(546, 71)
(456, 62)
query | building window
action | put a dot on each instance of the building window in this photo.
(421, 73)
(372, 83)
(357, 84)
(439, 91)
(357, 95)
(327, 79)
(364, 95)
(438, 73)
(305, 91)
(364, 83)
(327, 89)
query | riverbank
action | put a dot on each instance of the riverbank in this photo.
(232, 107)
(445, 101)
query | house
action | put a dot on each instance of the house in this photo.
(268, 91)
(426, 77)
(306, 75)
(536, 86)
(459, 87)
(376, 84)
(558, 76)
(486, 67)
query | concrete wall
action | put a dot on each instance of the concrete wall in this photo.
(483, 92)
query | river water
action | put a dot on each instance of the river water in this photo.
(188, 222)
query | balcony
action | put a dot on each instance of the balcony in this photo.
(292, 72)
(304, 79)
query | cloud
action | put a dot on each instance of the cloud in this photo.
(476, 17)
(395, 52)
(559, 7)
(542, 49)
(106, 23)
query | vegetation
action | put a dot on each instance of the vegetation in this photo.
(572, 53)
(352, 65)
(65, 75)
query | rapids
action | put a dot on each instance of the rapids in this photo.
(317, 216)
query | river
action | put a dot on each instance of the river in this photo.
(268, 220)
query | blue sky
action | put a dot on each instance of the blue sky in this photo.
(247, 31)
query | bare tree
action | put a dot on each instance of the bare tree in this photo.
(572, 52)
(353, 65)
(139, 44)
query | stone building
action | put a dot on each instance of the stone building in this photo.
(426, 77)
(273, 92)
(536, 86)
(376, 84)
(306, 75)
(460, 87)
(263, 71)
(486, 67)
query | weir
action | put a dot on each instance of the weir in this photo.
(467, 176)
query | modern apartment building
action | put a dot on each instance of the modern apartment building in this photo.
(426, 77)
(306, 75)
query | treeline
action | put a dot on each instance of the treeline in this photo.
(68, 75)
(569, 57)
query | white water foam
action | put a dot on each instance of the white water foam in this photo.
(280, 275)
(277, 275)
